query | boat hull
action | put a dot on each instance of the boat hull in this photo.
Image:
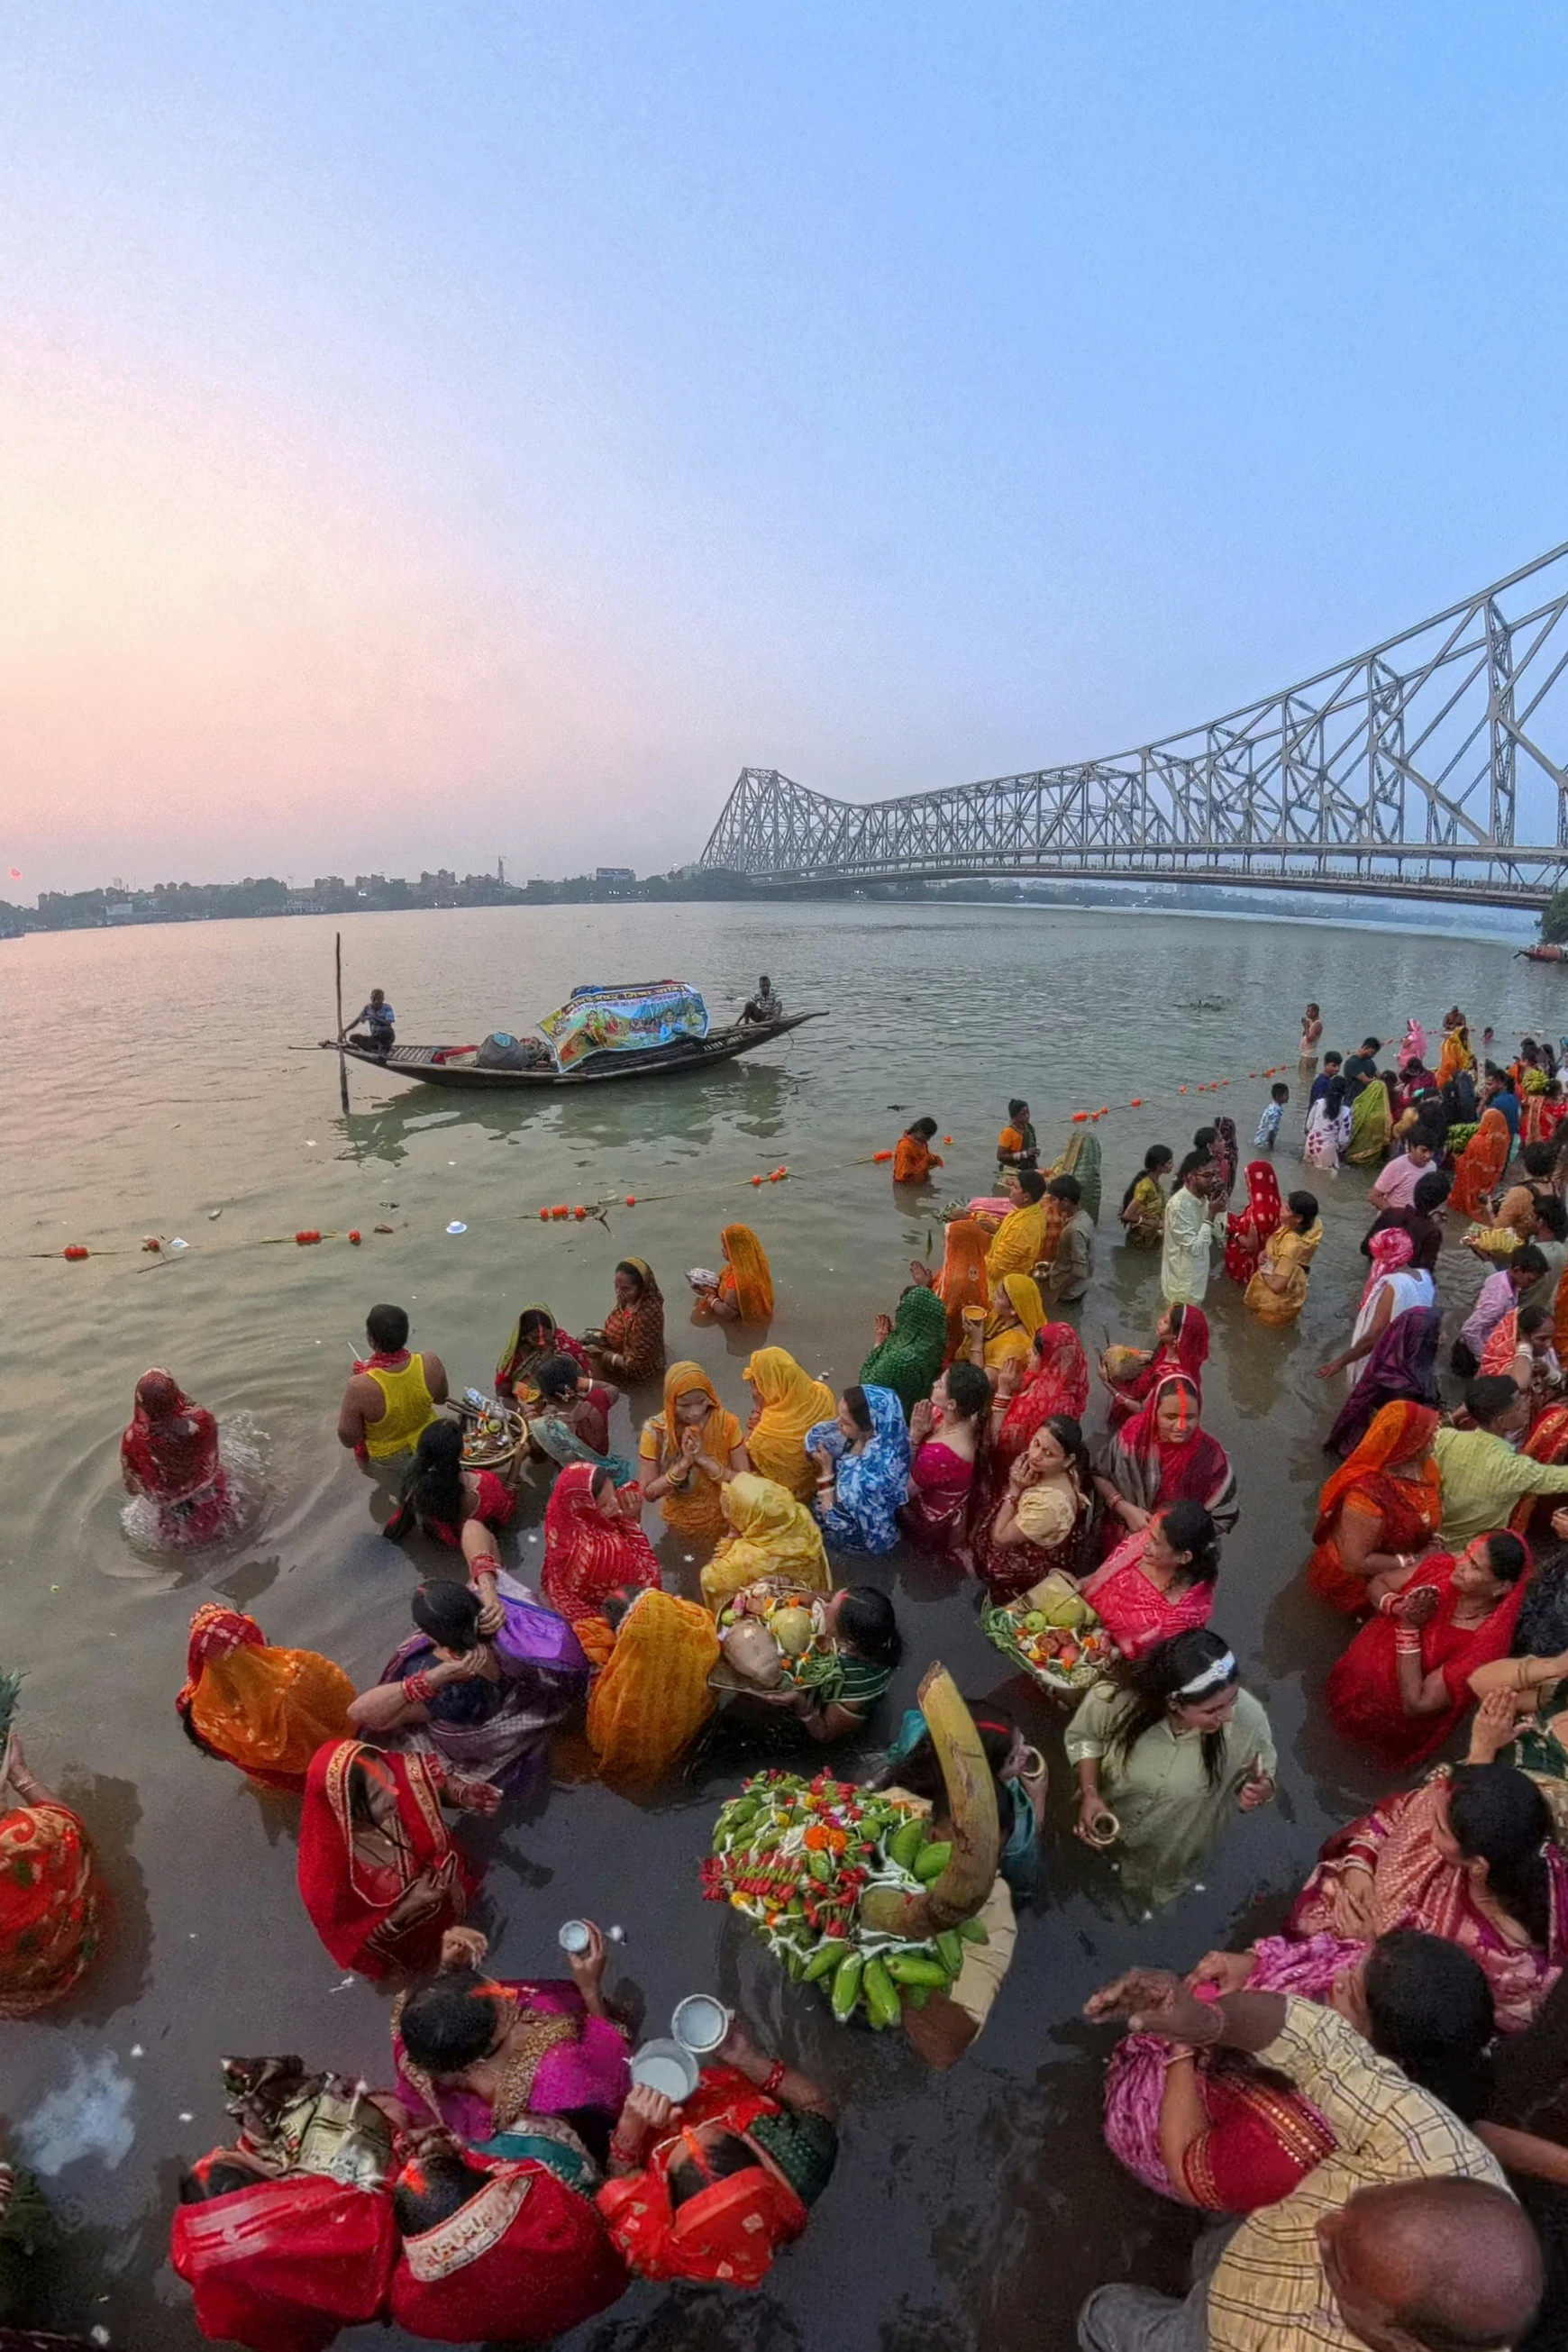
(415, 1064)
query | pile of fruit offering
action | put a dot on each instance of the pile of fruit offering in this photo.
(796, 1856)
(807, 1653)
(1053, 1634)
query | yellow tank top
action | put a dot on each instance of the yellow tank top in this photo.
(409, 1409)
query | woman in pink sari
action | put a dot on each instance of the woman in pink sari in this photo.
(1469, 1856)
(947, 1431)
(485, 2056)
(1159, 1582)
(1180, 1345)
(170, 1455)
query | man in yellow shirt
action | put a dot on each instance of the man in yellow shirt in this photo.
(391, 1396)
(1483, 1478)
(1405, 2238)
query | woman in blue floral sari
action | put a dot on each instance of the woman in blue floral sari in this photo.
(862, 1461)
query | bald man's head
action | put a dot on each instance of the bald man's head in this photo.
(1446, 2265)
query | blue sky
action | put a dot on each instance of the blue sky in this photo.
(436, 432)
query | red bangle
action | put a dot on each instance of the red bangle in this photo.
(418, 1688)
(774, 2077)
(1407, 1643)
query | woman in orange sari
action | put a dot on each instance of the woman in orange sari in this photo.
(744, 1290)
(1456, 1055)
(266, 1710)
(1378, 1515)
(53, 1906)
(689, 1451)
(1482, 1164)
(1547, 1442)
(962, 1281)
(651, 1697)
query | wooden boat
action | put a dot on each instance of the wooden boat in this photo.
(425, 1067)
(1542, 955)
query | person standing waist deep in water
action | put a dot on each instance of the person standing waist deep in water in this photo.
(391, 1396)
(1312, 1037)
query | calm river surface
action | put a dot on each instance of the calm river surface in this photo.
(149, 1087)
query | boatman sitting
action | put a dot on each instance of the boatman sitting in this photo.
(765, 1006)
(391, 1396)
(377, 1032)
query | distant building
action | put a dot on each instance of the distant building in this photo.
(615, 873)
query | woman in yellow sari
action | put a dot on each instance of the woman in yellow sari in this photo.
(789, 1402)
(689, 1451)
(744, 1291)
(1277, 1291)
(1456, 1055)
(651, 1697)
(773, 1535)
(1017, 1311)
(266, 1710)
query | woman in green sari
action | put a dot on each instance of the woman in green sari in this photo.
(1371, 1123)
(911, 1347)
(1081, 1158)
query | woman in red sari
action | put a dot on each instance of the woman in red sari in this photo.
(281, 2265)
(53, 1907)
(379, 1874)
(1245, 1234)
(499, 2250)
(1164, 1455)
(1158, 1582)
(1403, 1684)
(1379, 1513)
(170, 1455)
(1054, 1384)
(1482, 1164)
(1469, 1856)
(1547, 1442)
(1180, 1345)
(713, 2188)
(947, 1432)
(593, 1542)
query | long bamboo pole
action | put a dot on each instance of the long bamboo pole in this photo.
(343, 1057)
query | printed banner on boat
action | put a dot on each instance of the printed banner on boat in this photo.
(623, 1020)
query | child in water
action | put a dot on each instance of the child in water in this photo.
(1273, 1112)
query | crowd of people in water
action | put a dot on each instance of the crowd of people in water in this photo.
(1370, 2107)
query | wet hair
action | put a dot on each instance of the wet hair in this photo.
(1498, 1815)
(1191, 1164)
(969, 1390)
(925, 1126)
(1528, 1260)
(1188, 1527)
(433, 1485)
(721, 2159)
(1303, 1205)
(451, 2022)
(386, 1328)
(1551, 1213)
(558, 1376)
(625, 1266)
(1150, 1683)
(1334, 1096)
(1430, 2010)
(1156, 1159)
(1489, 1397)
(1030, 1182)
(447, 1613)
(860, 1409)
(1065, 1188)
(431, 2188)
(1539, 1158)
(866, 1620)
(218, 2179)
(1015, 1106)
(1541, 1629)
(1279, 1092)
(1431, 1190)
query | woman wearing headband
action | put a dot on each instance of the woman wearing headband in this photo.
(1164, 1755)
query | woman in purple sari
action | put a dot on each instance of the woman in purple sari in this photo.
(1402, 1363)
(480, 1686)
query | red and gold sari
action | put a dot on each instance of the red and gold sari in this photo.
(1185, 1351)
(588, 1554)
(731, 2230)
(1245, 1234)
(285, 2265)
(522, 2261)
(373, 1916)
(1409, 1510)
(1362, 1693)
(53, 1907)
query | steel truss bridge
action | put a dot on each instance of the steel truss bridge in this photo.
(1436, 766)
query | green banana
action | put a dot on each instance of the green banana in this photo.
(917, 1969)
(826, 1956)
(973, 1931)
(905, 1843)
(949, 1949)
(846, 1984)
(932, 1860)
(882, 2004)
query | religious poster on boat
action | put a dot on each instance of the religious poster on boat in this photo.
(623, 1020)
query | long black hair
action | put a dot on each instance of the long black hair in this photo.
(1498, 1815)
(866, 1620)
(446, 1612)
(450, 2021)
(433, 1488)
(1068, 1434)
(969, 1390)
(557, 1378)
(1149, 1683)
(1429, 2006)
(1156, 1159)
(1188, 1527)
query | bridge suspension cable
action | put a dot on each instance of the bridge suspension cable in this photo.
(1434, 766)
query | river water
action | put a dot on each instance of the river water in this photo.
(151, 1092)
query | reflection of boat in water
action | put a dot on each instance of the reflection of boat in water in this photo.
(461, 1069)
(1541, 955)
